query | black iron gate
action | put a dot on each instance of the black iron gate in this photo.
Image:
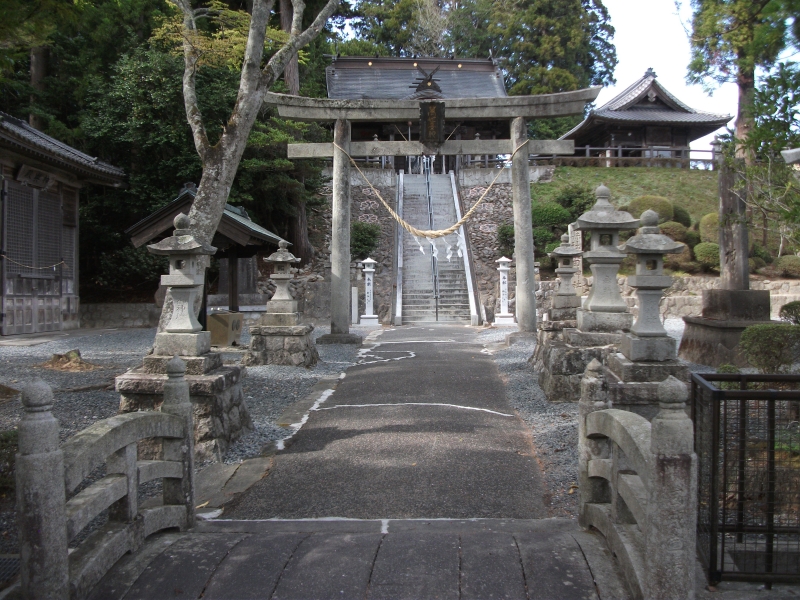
(747, 439)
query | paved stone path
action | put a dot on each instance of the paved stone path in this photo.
(416, 480)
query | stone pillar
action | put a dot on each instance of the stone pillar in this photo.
(177, 402)
(41, 498)
(369, 317)
(671, 518)
(340, 241)
(504, 317)
(594, 397)
(734, 270)
(523, 234)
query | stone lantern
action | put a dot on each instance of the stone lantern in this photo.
(604, 309)
(369, 318)
(648, 340)
(504, 317)
(283, 272)
(183, 333)
(566, 300)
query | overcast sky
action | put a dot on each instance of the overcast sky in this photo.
(649, 33)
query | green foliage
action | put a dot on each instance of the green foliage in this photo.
(542, 236)
(691, 238)
(550, 214)
(707, 254)
(681, 262)
(551, 246)
(790, 312)
(364, 239)
(681, 215)
(771, 348)
(9, 442)
(755, 264)
(788, 266)
(709, 228)
(576, 198)
(674, 230)
(505, 239)
(657, 203)
(759, 251)
(728, 369)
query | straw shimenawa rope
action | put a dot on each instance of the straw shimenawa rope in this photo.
(428, 233)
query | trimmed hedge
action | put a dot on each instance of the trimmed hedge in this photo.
(550, 214)
(692, 238)
(363, 239)
(790, 312)
(674, 230)
(707, 254)
(661, 205)
(789, 266)
(681, 215)
(771, 348)
(755, 264)
(709, 228)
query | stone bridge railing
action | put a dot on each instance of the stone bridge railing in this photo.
(48, 473)
(638, 486)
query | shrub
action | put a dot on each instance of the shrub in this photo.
(691, 238)
(8, 450)
(363, 239)
(550, 214)
(788, 266)
(730, 369)
(659, 204)
(707, 254)
(681, 261)
(551, 246)
(755, 264)
(681, 215)
(542, 236)
(505, 239)
(709, 228)
(771, 348)
(577, 199)
(759, 251)
(674, 230)
(790, 312)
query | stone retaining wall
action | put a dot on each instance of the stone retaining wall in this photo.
(109, 315)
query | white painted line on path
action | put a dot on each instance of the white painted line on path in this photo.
(384, 525)
(295, 427)
(486, 410)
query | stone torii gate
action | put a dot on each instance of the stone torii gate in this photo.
(516, 109)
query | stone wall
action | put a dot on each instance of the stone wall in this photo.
(109, 315)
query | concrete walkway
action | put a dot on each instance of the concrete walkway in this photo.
(413, 479)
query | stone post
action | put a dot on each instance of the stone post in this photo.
(594, 397)
(340, 241)
(41, 498)
(369, 317)
(670, 534)
(504, 317)
(523, 234)
(734, 270)
(177, 402)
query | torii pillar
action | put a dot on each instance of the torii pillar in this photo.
(523, 233)
(340, 241)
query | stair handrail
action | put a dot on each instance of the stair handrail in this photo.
(427, 166)
(398, 309)
(463, 243)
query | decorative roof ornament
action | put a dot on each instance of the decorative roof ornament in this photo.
(282, 256)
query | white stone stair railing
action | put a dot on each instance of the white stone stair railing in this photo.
(638, 486)
(47, 474)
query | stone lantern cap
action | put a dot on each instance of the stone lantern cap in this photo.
(282, 255)
(368, 263)
(565, 250)
(650, 240)
(504, 262)
(603, 215)
(182, 241)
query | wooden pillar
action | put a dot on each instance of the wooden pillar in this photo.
(523, 233)
(733, 242)
(340, 234)
(233, 283)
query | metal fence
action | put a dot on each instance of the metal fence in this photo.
(747, 440)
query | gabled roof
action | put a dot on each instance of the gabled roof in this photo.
(23, 138)
(362, 77)
(235, 224)
(648, 102)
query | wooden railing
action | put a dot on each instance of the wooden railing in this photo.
(47, 475)
(638, 486)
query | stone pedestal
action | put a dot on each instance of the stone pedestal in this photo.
(282, 345)
(633, 385)
(564, 308)
(713, 338)
(220, 413)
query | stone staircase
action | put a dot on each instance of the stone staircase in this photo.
(419, 306)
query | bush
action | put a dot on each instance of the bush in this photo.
(771, 348)
(363, 239)
(551, 246)
(8, 450)
(505, 239)
(790, 312)
(659, 204)
(707, 254)
(762, 253)
(681, 215)
(788, 266)
(674, 230)
(577, 199)
(681, 261)
(550, 214)
(755, 264)
(691, 238)
(709, 228)
(542, 236)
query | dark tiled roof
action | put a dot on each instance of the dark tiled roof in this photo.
(18, 133)
(631, 106)
(354, 78)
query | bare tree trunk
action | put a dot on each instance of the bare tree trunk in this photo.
(298, 234)
(38, 73)
(291, 74)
